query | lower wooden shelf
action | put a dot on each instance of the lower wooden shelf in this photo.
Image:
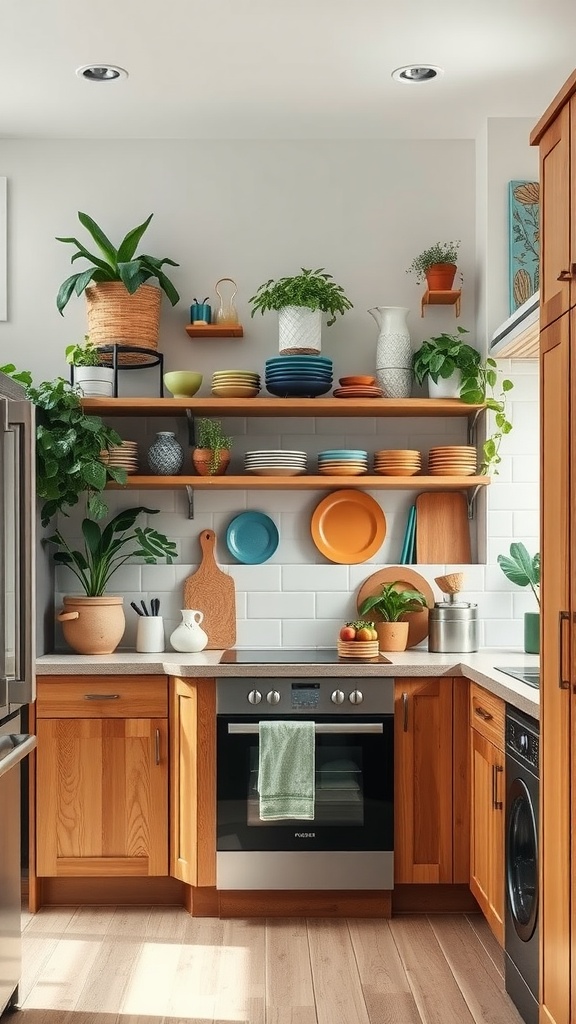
(306, 482)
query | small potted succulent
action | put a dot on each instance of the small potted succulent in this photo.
(437, 264)
(88, 375)
(524, 570)
(211, 455)
(392, 605)
(300, 302)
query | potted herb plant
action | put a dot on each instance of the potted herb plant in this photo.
(95, 623)
(392, 605)
(89, 376)
(211, 455)
(524, 570)
(122, 308)
(300, 302)
(437, 264)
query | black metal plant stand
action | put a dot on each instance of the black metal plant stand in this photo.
(152, 358)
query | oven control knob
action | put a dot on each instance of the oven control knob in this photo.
(273, 697)
(356, 697)
(338, 697)
(254, 696)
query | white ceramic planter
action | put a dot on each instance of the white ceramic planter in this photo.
(393, 351)
(95, 381)
(447, 387)
(299, 331)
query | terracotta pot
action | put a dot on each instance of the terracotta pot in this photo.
(202, 460)
(440, 277)
(92, 625)
(392, 636)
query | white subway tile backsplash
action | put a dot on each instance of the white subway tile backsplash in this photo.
(499, 523)
(340, 605)
(281, 606)
(511, 496)
(310, 632)
(257, 577)
(524, 601)
(503, 633)
(158, 577)
(314, 577)
(255, 633)
(526, 524)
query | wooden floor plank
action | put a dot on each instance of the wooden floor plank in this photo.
(152, 977)
(289, 987)
(241, 990)
(488, 940)
(476, 975)
(337, 988)
(387, 993)
(195, 983)
(112, 969)
(437, 996)
(39, 941)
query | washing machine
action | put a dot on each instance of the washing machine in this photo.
(521, 863)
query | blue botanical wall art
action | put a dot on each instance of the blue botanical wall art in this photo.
(524, 240)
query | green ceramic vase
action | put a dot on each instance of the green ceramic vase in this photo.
(532, 632)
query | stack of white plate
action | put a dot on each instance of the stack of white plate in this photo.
(121, 456)
(397, 462)
(235, 384)
(342, 462)
(453, 460)
(275, 463)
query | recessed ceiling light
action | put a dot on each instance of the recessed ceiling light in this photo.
(101, 72)
(417, 73)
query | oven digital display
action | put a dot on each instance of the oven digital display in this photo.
(305, 695)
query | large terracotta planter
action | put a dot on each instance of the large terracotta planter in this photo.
(440, 277)
(202, 461)
(115, 317)
(392, 636)
(92, 625)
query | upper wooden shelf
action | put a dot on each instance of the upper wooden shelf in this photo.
(314, 407)
(305, 482)
(441, 298)
(215, 330)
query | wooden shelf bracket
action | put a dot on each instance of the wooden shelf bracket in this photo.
(441, 298)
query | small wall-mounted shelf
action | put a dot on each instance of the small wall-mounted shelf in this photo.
(443, 298)
(214, 330)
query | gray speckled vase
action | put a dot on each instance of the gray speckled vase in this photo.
(165, 455)
(393, 352)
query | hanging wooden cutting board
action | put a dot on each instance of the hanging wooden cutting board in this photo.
(212, 592)
(442, 528)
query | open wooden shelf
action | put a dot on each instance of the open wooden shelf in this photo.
(441, 298)
(314, 407)
(306, 482)
(215, 330)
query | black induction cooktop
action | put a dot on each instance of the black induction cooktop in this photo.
(292, 656)
(530, 676)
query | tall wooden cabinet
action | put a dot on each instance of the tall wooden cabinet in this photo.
(487, 815)
(556, 136)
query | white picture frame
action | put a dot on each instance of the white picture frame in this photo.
(3, 250)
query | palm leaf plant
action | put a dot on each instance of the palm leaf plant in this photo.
(392, 604)
(521, 568)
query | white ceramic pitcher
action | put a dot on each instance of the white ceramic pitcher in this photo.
(189, 637)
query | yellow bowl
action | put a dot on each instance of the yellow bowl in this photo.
(182, 383)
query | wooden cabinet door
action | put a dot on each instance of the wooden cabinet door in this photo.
(487, 831)
(555, 250)
(102, 797)
(423, 780)
(555, 814)
(193, 781)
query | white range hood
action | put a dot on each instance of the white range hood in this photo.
(519, 336)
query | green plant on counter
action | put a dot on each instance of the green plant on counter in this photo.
(521, 568)
(114, 264)
(440, 252)
(210, 435)
(83, 355)
(104, 550)
(312, 288)
(68, 446)
(441, 356)
(392, 604)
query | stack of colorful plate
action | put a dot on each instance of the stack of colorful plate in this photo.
(275, 463)
(452, 460)
(298, 376)
(397, 462)
(342, 462)
(358, 387)
(235, 384)
(121, 456)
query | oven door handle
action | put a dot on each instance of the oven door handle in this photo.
(252, 728)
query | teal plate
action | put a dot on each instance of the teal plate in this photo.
(252, 537)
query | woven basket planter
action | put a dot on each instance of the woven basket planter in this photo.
(115, 317)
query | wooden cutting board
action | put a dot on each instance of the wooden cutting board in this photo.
(442, 528)
(212, 592)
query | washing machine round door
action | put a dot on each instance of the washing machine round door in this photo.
(522, 860)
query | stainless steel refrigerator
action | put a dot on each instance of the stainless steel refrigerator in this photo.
(17, 659)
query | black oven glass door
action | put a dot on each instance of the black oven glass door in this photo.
(354, 787)
(522, 860)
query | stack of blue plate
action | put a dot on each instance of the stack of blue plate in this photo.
(298, 376)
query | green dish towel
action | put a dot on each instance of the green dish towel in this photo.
(286, 770)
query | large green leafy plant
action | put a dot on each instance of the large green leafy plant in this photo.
(68, 446)
(443, 355)
(392, 604)
(312, 288)
(521, 568)
(106, 550)
(114, 264)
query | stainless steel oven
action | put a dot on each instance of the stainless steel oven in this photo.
(350, 841)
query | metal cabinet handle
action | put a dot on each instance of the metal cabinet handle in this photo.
(157, 746)
(101, 696)
(405, 710)
(565, 275)
(496, 803)
(563, 683)
(484, 715)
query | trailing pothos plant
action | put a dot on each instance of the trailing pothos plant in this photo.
(484, 385)
(68, 446)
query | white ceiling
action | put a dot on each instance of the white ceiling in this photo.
(278, 68)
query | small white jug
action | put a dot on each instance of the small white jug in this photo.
(188, 637)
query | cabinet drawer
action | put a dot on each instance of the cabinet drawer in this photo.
(102, 697)
(487, 714)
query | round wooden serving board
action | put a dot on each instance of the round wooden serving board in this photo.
(407, 580)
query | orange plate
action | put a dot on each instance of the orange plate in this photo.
(408, 580)
(348, 526)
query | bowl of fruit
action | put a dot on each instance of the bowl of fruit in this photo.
(358, 639)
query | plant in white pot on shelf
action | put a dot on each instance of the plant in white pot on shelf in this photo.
(524, 570)
(95, 623)
(391, 605)
(89, 376)
(300, 302)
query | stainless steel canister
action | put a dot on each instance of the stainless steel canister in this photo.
(453, 627)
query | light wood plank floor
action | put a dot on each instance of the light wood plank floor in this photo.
(157, 965)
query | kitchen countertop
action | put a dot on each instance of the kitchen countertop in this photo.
(479, 667)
